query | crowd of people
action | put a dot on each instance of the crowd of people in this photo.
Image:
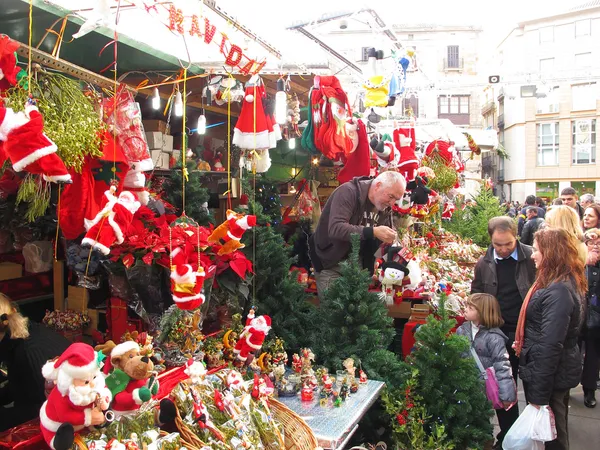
(542, 270)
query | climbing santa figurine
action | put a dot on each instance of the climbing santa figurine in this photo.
(187, 283)
(111, 222)
(252, 338)
(404, 138)
(78, 399)
(28, 148)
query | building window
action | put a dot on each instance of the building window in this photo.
(547, 190)
(410, 105)
(547, 65)
(453, 57)
(548, 104)
(583, 28)
(455, 108)
(547, 144)
(583, 60)
(546, 34)
(584, 187)
(583, 97)
(364, 52)
(584, 141)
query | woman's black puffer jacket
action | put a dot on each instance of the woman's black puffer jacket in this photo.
(550, 358)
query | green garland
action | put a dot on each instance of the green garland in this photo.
(70, 119)
(445, 177)
(36, 192)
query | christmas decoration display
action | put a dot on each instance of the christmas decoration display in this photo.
(377, 84)
(10, 72)
(26, 145)
(187, 283)
(66, 320)
(394, 274)
(386, 152)
(78, 399)
(180, 337)
(230, 232)
(222, 90)
(171, 193)
(110, 224)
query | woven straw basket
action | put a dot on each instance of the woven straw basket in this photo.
(298, 435)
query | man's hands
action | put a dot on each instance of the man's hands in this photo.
(385, 234)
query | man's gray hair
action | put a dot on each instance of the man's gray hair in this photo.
(586, 198)
(390, 178)
(502, 224)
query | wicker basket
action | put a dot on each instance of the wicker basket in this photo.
(298, 435)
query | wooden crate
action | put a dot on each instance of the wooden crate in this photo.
(400, 311)
(419, 312)
(10, 271)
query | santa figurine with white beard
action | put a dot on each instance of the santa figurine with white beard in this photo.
(78, 398)
(252, 338)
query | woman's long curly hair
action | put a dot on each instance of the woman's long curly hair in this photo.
(16, 323)
(560, 259)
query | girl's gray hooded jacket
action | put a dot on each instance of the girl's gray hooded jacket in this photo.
(490, 346)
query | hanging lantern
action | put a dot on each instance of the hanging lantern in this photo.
(281, 103)
(292, 143)
(178, 104)
(201, 128)
(156, 99)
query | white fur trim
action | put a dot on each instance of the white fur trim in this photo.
(88, 417)
(80, 372)
(11, 121)
(188, 298)
(112, 200)
(49, 372)
(125, 347)
(136, 397)
(96, 245)
(57, 178)
(46, 422)
(18, 166)
(232, 237)
(251, 140)
(189, 277)
(143, 166)
(251, 345)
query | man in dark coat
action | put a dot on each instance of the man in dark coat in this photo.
(531, 226)
(360, 206)
(507, 272)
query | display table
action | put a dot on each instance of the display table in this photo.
(332, 426)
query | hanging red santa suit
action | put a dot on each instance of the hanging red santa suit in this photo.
(187, 284)
(111, 222)
(404, 138)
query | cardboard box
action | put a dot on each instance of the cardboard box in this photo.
(167, 143)
(419, 312)
(401, 311)
(77, 298)
(160, 159)
(155, 140)
(10, 271)
(155, 125)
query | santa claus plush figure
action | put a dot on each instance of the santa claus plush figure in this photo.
(404, 138)
(29, 149)
(111, 222)
(187, 284)
(135, 182)
(252, 338)
(78, 398)
(196, 370)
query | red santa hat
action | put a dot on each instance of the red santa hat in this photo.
(30, 149)
(78, 362)
(247, 222)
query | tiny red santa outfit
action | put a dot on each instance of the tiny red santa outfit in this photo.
(358, 161)
(78, 362)
(28, 148)
(253, 336)
(186, 283)
(404, 138)
(112, 221)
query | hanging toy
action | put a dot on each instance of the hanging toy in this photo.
(448, 210)
(386, 152)
(111, 222)
(252, 338)
(404, 138)
(293, 114)
(377, 84)
(230, 232)
(394, 273)
(398, 81)
(186, 283)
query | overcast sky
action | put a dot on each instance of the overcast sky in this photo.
(268, 17)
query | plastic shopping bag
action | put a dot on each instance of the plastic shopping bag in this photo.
(520, 435)
(544, 428)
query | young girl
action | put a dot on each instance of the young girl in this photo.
(483, 331)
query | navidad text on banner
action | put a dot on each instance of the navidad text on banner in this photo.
(201, 28)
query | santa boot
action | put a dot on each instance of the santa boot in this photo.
(64, 437)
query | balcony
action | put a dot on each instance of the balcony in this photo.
(488, 107)
(501, 121)
(501, 95)
(454, 64)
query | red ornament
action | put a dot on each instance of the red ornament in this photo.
(401, 419)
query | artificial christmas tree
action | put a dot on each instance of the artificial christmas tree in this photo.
(354, 322)
(196, 205)
(267, 194)
(448, 383)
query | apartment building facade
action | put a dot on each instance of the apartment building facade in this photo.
(547, 106)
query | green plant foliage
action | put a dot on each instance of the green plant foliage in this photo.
(195, 194)
(445, 177)
(449, 383)
(472, 221)
(354, 322)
